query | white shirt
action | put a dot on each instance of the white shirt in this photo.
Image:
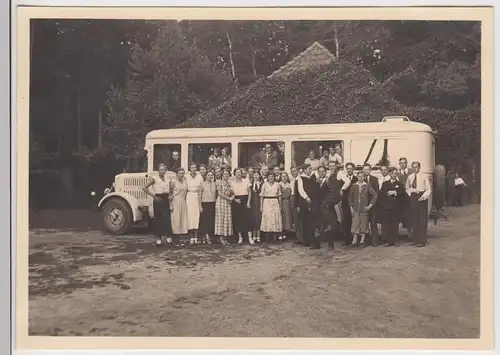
(342, 175)
(300, 187)
(382, 179)
(459, 181)
(240, 188)
(160, 186)
(423, 185)
(336, 158)
(292, 179)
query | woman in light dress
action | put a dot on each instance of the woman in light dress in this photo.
(208, 198)
(270, 200)
(241, 210)
(178, 205)
(255, 183)
(286, 207)
(223, 211)
(193, 200)
(160, 184)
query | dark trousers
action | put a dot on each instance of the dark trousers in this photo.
(307, 224)
(297, 222)
(162, 225)
(372, 216)
(459, 195)
(390, 225)
(419, 218)
(404, 216)
(347, 222)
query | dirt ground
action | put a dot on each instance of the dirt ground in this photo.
(83, 282)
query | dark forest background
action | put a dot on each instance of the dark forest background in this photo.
(97, 86)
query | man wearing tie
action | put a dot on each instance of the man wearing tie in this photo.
(372, 215)
(403, 174)
(347, 220)
(306, 187)
(418, 189)
(389, 206)
(317, 202)
(294, 201)
(333, 196)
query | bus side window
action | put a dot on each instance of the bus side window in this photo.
(257, 154)
(211, 155)
(169, 154)
(317, 153)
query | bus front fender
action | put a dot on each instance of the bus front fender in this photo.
(131, 201)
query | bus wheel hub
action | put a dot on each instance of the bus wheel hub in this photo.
(116, 217)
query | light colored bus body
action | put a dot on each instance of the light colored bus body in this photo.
(412, 140)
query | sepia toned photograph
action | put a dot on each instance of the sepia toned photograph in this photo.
(255, 178)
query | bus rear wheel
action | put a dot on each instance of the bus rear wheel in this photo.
(117, 216)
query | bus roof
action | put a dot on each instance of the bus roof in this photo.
(283, 130)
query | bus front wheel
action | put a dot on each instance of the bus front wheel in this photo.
(117, 216)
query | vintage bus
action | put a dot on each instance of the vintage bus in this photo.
(125, 204)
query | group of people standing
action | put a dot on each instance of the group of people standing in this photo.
(270, 205)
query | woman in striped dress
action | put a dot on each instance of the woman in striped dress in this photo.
(223, 212)
(270, 201)
(286, 208)
(178, 205)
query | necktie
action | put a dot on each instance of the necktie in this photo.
(414, 183)
(267, 158)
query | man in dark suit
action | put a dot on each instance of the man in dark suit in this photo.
(372, 214)
(307, 187)
(389, 206)
(403, 173)
(175, 162)
(320, 193)
(347, 221)
(268, 157)
(281, 155)
(332, 196)
(294, 202)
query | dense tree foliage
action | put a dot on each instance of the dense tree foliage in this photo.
(97, 86)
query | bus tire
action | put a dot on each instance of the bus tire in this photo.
(439, 187)
(117, 216)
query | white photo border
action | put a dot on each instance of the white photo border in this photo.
(9, 153)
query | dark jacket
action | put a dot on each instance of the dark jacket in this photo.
(272, 161)
(373, 182)
(386, 202)
(333, 187)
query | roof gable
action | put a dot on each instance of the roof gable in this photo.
(315, 55)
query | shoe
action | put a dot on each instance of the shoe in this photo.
(420, 245)
(158, 242)
(315, 247)
(240, 240)
(250, 240)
